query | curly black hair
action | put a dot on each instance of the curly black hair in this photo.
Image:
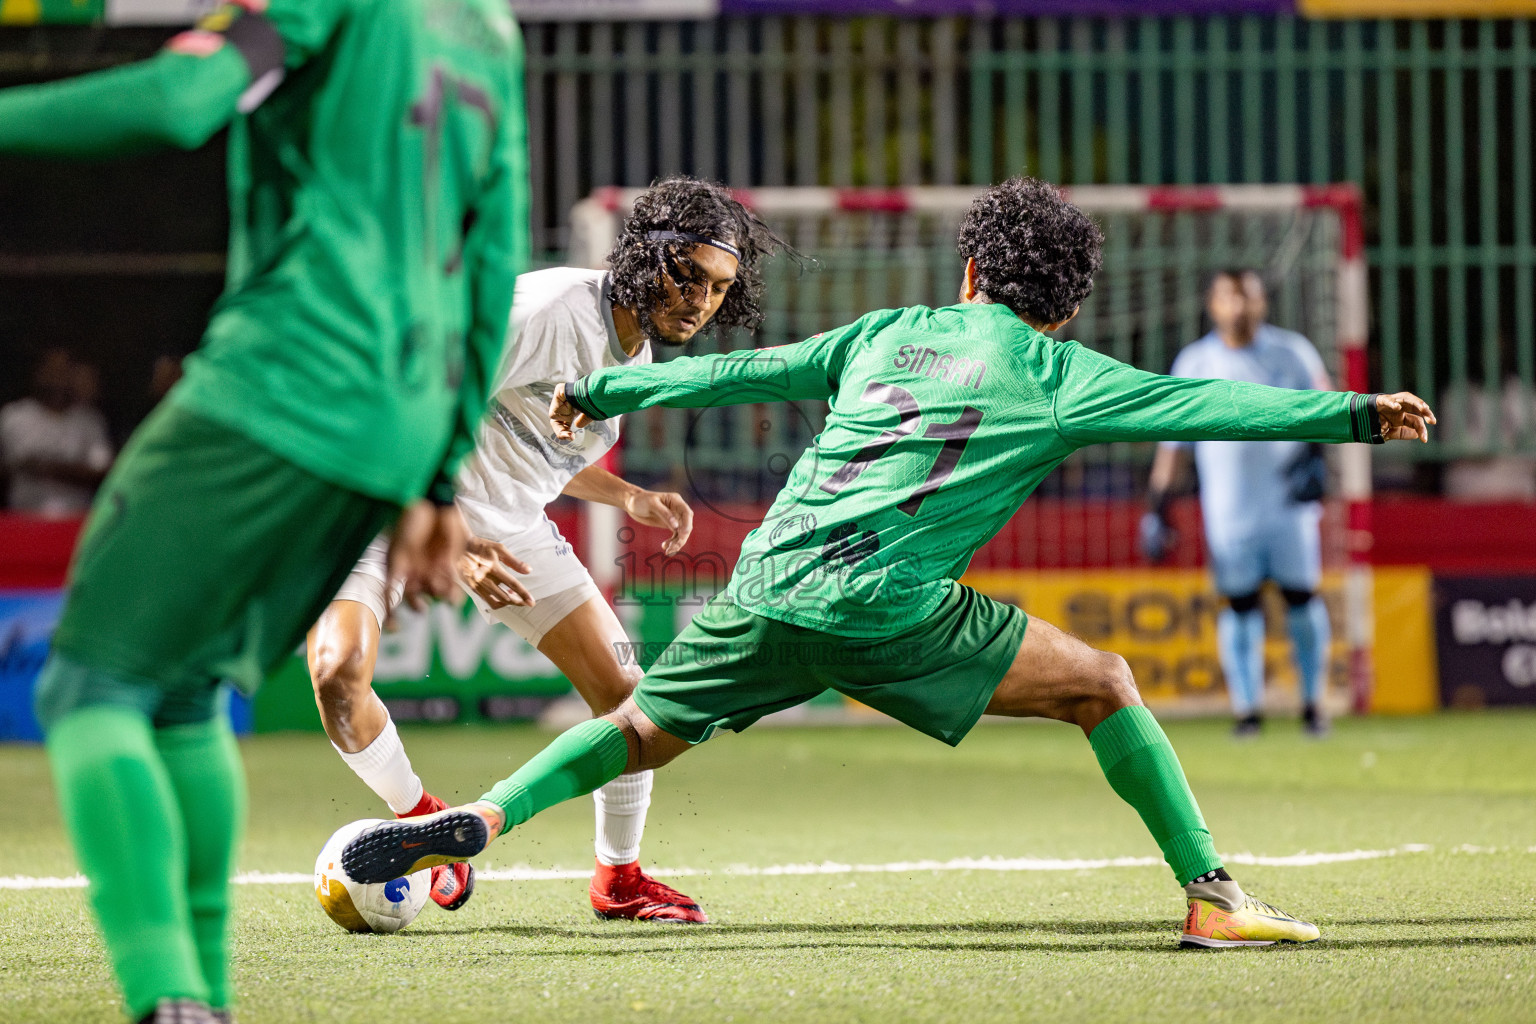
(1035, 252)
(637, 263)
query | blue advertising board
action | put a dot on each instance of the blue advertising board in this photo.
(27, 618)
(27, 621)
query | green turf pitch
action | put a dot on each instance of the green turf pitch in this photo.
(1447, 934)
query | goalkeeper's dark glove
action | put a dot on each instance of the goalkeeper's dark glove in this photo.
(1306, 476)
(1157, 537)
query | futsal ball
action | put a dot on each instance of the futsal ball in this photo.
(379, 907)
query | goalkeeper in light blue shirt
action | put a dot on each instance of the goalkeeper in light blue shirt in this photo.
(1260, 501)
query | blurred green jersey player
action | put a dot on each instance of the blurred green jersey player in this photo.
(942, 422)
(378, 200)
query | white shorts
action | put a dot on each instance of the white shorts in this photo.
(558, 582)
(368, 582)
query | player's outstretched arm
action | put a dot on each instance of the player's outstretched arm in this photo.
(781, 374)
(785, 373)
(229, 64)
(1100, 399)
(174, 99)
(178, 98)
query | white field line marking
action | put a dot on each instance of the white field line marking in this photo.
(527, 874)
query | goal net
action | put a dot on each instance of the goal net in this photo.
(872, 249)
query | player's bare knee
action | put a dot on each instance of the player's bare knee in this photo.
(622, 717)
(649, 745)
(609, 692)
(1114, 683)
(339, 673)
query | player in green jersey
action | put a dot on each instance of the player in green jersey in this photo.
(942, 422)
(378, 217)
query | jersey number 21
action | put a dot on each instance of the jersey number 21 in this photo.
(954, 435)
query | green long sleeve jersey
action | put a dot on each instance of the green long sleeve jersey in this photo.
(378, 191)
(942, 422)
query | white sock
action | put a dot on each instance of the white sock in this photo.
(383, 765)
(621, 807)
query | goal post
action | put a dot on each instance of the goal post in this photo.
(877, 248)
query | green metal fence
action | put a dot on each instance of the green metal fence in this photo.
(1432, 119)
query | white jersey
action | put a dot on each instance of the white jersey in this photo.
(1243, 490)
(562, 329)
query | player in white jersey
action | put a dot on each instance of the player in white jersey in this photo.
(1259, 500)
(687, 258)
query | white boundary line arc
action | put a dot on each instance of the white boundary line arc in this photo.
(274, 878)
(530, 874)
(23, 882)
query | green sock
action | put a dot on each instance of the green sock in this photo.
(581, 759)
(122, 815)
(1141, 766)
(203, 763)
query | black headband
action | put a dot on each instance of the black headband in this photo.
(689, 236)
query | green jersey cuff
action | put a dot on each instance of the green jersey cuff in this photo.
(1365, 424)
(577, 393)
(441, 490)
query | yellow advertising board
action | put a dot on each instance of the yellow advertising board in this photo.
(1163, 622)
(1407, 667)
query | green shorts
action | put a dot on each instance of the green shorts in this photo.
(730, 667)
(206, 558)
(66, 686)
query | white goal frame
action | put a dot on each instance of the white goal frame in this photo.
(595, 225)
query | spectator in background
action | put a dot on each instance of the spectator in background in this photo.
(54, 442)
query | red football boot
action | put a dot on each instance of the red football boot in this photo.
(452, 884)
(624, 892)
